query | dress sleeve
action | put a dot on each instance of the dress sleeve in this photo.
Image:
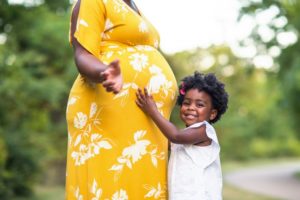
(90, 25)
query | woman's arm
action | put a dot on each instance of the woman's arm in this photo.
(185, 136)
(91, 67)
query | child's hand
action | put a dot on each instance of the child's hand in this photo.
(146, 102)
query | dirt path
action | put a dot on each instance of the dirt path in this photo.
(276, 180)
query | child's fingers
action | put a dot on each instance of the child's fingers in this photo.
(146, 92)
(138, 95)
(141, 95)
(139, 103)
(140, 91)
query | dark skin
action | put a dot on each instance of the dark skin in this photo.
(92, 68)
(196, 136)
(131, 4)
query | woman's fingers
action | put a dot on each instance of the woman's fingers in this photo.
(110, 86)
(107, 84)
(103, 76)
(115, 65)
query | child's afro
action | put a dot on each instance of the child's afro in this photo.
(209, 84)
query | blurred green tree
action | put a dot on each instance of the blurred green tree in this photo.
(252, 127)
(283, 26)
(36, 72)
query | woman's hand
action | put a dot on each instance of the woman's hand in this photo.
(112, 77)
(146, 102)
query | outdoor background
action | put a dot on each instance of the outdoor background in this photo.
(261, 71)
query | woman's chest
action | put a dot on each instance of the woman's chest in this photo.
(124, 25)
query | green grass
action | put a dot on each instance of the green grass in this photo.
(229, 192)
(47, 193)
(50, 193)
(57, 193)
(233, 193)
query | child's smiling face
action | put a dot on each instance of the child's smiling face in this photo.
(197, 107)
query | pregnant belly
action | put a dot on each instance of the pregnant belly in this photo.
(143, 66)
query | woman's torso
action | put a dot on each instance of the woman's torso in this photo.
(111, 140)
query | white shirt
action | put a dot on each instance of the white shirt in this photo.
(194, 171)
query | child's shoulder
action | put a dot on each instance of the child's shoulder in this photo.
(198, 124)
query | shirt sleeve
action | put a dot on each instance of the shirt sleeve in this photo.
(210, 131)
(90, 25)
(214, 148)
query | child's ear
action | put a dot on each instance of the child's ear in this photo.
(213, 114)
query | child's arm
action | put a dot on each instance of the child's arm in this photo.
(186, 136)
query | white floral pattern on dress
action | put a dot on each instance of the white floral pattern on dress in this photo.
(89, 151)
(138, 61)
(120, 7)
(71, 101)
(144, 48)
(83, 23)
(159, 81)
(134, 153)
(130, 49)
(120, 195)
(77, 194)
(96, 192)
(155, 192)
(124, 93)
(156, 44)
(85, 125)
(107, 29)
(143, 27)
(80, 120)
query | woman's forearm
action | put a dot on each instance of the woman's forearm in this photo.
(89, 66)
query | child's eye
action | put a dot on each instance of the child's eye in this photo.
(185, 103)
(199, 105)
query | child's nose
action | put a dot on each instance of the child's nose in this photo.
(191, 107)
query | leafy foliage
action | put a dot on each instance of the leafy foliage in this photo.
(286, 11)
(36, 72)
(256, 124)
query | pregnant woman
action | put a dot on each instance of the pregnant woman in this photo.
(114, 150)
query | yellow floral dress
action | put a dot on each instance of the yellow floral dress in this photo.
(115, 151)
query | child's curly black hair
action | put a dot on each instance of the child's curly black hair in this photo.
(209, 84)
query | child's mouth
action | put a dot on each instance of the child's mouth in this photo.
(189, 116)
